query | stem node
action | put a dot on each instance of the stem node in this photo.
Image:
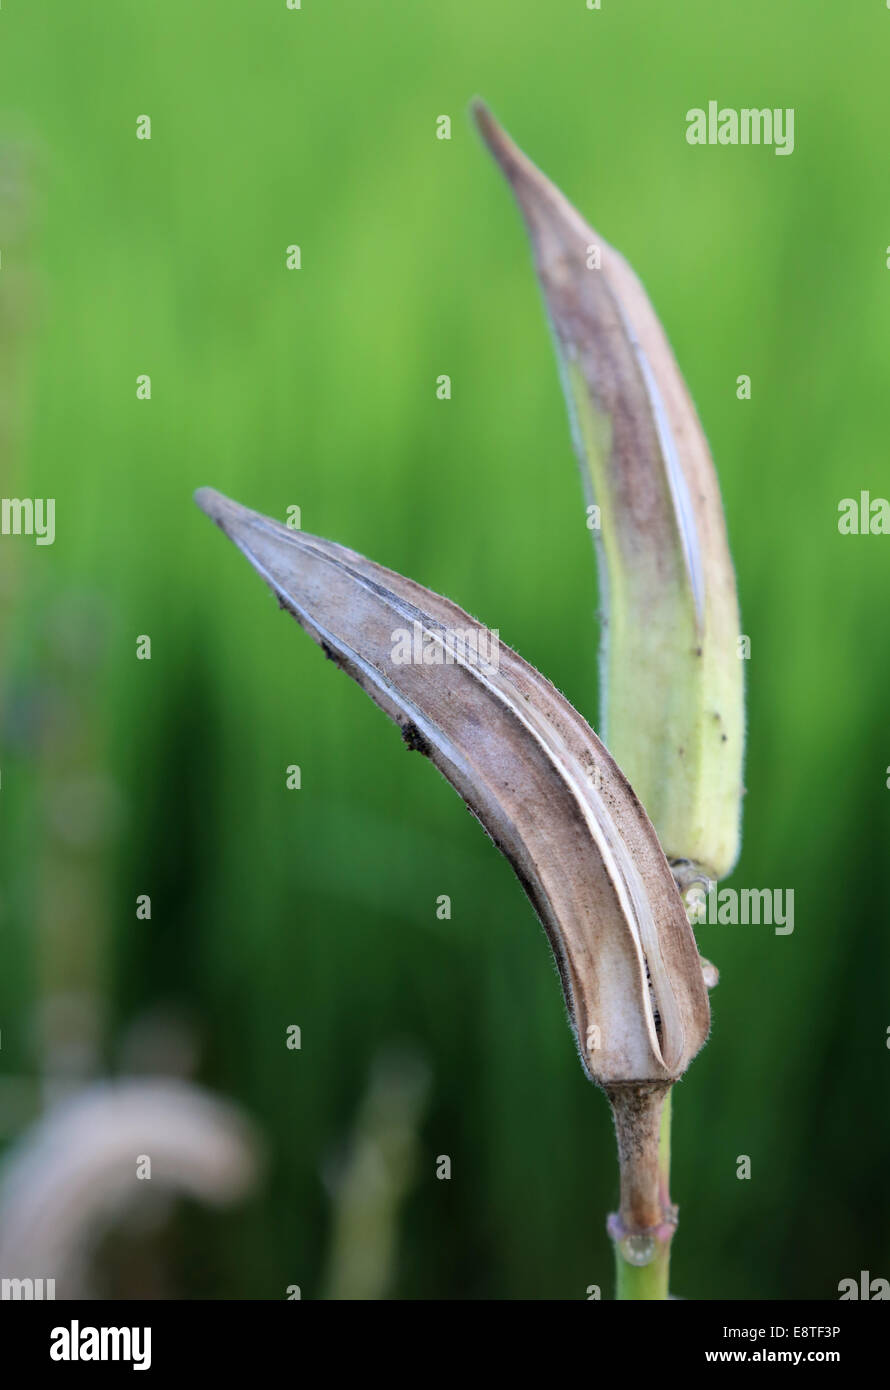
(642, 1227)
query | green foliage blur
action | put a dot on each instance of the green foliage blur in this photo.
(316, 388)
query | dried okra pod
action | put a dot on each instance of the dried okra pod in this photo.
(672, 698)
(531, 770)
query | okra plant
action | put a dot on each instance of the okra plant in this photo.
(605, 833)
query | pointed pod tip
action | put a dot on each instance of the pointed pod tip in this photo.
(481, 114)
(221, 509)
(209, 500)
(550, 216)
(508, 155)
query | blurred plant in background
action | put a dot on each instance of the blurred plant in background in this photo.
(107, 1148)
(370, 1179)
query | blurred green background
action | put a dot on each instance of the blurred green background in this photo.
(316, 387)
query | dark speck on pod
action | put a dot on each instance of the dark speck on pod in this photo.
(414, 739)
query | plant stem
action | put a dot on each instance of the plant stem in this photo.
(647, 1282)
(642, 1228)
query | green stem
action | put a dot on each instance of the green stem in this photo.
(664, 1153)
(646, 1282)
(642, 1229)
